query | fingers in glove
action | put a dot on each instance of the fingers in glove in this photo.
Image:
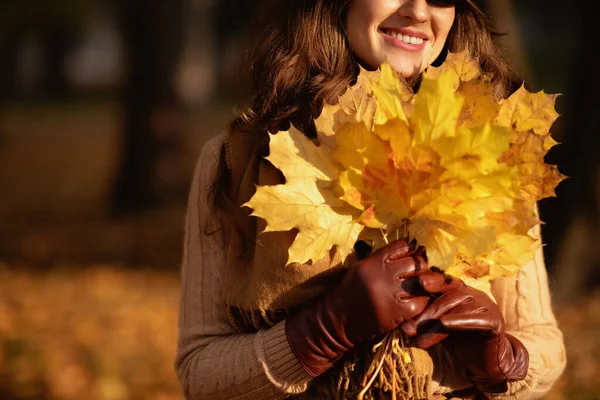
(435, 310)
(478, 320)
(420, 251)
(520, 366)
(397, 249)
(438, 282)
(433, 333)
(411, 287)
(407, 267)
(411, 307)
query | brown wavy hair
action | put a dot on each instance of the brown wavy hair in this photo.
(302, 58)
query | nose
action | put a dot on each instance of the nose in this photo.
(416, 10)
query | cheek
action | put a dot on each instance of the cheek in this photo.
(444, 20)
(442, 24)
(360, 22)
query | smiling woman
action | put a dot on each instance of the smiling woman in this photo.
(410, 35)
(254, 326)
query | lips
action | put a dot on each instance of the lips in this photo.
(405, 38)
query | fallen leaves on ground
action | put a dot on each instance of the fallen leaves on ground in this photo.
(109, 333)
(99, 333)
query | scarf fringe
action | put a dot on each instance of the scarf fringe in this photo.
(345, 379)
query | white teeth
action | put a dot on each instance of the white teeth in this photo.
(406, 38)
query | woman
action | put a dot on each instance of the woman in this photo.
(253, 328)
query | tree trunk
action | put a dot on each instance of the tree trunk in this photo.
(197, 75)
(573, 216)
(56, 44)
(9, 50)
(153, 116)
(232, 19)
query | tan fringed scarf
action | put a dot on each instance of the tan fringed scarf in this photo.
(261, 289)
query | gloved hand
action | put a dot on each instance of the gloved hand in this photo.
(471, 327)
(376, 295)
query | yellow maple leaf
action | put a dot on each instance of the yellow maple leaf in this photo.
(525, 111)
(437, 108)
(527, 152)
(392, 94)
(306, 201)
(461, 67)
(354, 147)
(397, 133)
(479, 107)
(356, 105)
(473, 149)
(511, 253)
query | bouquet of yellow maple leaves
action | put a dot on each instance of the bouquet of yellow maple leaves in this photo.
(449, 165)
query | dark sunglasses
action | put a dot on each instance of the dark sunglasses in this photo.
(442, 3)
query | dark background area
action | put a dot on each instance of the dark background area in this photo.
(104, 107)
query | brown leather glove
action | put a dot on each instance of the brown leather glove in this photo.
(470, 325)
(376, 295)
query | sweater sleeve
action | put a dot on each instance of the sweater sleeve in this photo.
(525, 303)
(213, 360)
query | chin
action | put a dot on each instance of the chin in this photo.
(404, 68)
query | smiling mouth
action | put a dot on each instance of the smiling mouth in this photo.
(403, 37)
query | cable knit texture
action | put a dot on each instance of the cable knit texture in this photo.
(214, 361)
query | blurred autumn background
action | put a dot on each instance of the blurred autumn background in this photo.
(104, 106)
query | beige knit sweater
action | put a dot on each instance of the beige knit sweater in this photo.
(214, 361)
